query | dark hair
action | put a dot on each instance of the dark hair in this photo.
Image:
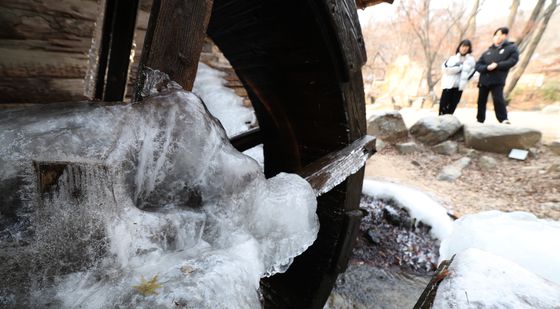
(465, 43)
(503, 30)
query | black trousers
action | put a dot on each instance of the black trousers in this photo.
(497, 98)
(449, 100)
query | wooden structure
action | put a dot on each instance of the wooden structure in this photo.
(300, 62)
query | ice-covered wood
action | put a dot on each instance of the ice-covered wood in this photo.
(247, 140)
(174, 39)
(334, 168)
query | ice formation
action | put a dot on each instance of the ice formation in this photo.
(520, 237)
(222, 102)
(479, 279)
(96, 198)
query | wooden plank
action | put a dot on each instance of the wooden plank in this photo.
(362, 4)
(173, 42)
(83, 9)
(351, 223)
(23, 61)
(344, 23)
(247, 140)
(44, 45)
(115, 48)
(41, 90)
(329, 171)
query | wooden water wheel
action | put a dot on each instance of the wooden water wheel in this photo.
(300, 62)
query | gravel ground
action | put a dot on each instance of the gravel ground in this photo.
(393, 260)
(390, 239)
(532, 185)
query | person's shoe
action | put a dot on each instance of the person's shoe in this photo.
(506, 122)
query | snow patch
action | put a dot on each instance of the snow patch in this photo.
(517, 236)
(419, 205)
(479, 279)
(222, 102)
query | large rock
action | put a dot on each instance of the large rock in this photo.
(435, 129)
(446, 148)
(364, 286)
(487, 162)
(388, 126)
(552, 108)
(555, 147)
(408, 148)
(454, 170)
(500, 138)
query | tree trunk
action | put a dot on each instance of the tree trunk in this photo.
(532, 45)
(513, 13)
(530, 25)
(470, 29)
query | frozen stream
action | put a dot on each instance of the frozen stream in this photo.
(140, 206)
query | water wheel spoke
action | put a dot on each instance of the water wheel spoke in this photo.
(335, 167)
(247, 140)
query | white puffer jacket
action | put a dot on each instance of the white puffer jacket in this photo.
(457, 70)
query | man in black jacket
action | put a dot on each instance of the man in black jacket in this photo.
(494, 65)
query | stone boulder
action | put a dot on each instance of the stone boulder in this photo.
(435, 129)
(555, 147)
(500, 138)
(408, 148)
(388, 126)
(552, 108)
(446, 148)
(487, 162)
(454, 170)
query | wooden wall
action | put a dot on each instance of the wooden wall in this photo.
(45, 46)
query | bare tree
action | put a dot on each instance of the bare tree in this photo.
(531, 45)
(422, 20)
(470, 27)
(530, 25)
(513, 12)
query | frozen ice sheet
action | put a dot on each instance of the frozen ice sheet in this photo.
(143, 190)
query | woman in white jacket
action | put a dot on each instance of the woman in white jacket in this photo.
(457, 70)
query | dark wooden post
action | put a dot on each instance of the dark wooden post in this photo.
(176, 32)
(114, 50)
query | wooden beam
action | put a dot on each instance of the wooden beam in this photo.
(332, 169)
(174, 39)
(115, 47)
(426, 300)
(247, 140)
(362, 4)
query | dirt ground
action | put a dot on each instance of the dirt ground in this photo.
(532, 185)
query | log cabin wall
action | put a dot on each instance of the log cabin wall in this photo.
(45, 47)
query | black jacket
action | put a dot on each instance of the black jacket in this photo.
(506, 56)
